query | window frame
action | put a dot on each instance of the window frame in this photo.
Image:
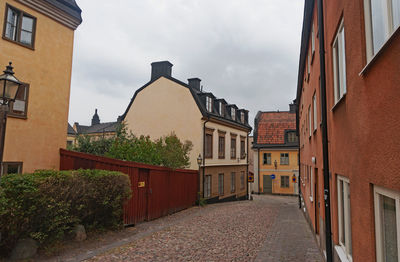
(285, 182)
(339, 71)
(208, 104)
(377, 210)
(344, 220)
(233, 146)
(221, 148)
(208, 133)
(242, 183)
(221, 184)
(220, 110)
(4, 166)
(233, 114)
(233, 182)
(21, 14)
(309, 121)
(315, 111)
(268, 158)
(284, 158)
(390, 29)
(311, 180)
(12, 112)
(242, 147)
(207, 185)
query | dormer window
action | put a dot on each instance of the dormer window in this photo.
(233, 113)
(209, 104)
(242, 117)
(220, 108)
(292, 137)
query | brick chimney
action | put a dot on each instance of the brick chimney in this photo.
(162, 68)
(194, 83)
(292, 108)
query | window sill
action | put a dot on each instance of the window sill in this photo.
(16, 116)
(342, 255)
(18, 43)
(339, 102)
(378, 54)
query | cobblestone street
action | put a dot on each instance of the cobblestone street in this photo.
(270, 228)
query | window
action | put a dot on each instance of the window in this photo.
(221, 146)
(242, 180)
(315, 110)
(284, 159)
(267, 158)
(233, 182)
(221, 184)
(11, 168)
(209, 104)
(339, 64)
(312, 39)
(344, 216)
(208, 149)
(387, 224)
(292, 137)
(233, 113)
(18, 108)
(233, 147)
(311, 180)
(19, 26)
(382, 18)
(309, 121)
(242, 147)
(308, 64)
(207, 186)
(220, 109)
(242, 117)
(285, 181)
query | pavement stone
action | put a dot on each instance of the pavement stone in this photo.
(269, 228)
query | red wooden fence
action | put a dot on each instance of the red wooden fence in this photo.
(156, 191)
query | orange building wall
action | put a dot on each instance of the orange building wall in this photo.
(35, 141)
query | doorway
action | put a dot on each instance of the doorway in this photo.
(267, 184)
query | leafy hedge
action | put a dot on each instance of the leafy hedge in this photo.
(46, 205)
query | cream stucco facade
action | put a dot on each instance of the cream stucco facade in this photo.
(35, 140)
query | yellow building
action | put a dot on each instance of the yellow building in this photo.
(95, 130)
(38, 37)
(276, 148)
(218, 130)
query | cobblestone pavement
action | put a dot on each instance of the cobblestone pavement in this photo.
(270, 228)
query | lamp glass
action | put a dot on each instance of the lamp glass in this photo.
(11, 87)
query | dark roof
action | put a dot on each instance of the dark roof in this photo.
(305, 37)
(98, 128)
(197, 96)
(270, 127)
(68, 6)
(70, 130)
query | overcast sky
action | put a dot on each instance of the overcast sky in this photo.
(245, 51)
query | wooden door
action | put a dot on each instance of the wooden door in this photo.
(141, 195)
(267, 184)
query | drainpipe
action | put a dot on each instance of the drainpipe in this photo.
(247, 167)
(258, 169)
(204, 151)
(298, 154)
(325, 151)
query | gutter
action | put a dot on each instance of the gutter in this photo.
(325, 152)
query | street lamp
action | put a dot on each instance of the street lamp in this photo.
(199, 160)
(9, 86)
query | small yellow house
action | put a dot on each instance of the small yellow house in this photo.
(218, 130)
(38, 37)
(276, 149)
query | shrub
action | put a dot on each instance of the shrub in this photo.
(46, 205)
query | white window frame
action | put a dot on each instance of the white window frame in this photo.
(339, 67)
(233, 114)
(378, 231)
(221, 184)
(312, 39)
(343, 248)
(233, 182)
(220, 108)
(390, 27)
(309, 121)
(209, 103)
(315, 110)
(242, 117)
(311, 184)
(207, 186)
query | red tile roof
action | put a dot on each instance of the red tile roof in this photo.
(271, 127)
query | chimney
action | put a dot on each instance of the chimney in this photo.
(95, 118)
(292, 108)
(162, 68)
(194, 83)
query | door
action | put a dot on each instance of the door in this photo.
(141, 196)
(267, 184)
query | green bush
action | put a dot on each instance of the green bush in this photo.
(46, 205)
